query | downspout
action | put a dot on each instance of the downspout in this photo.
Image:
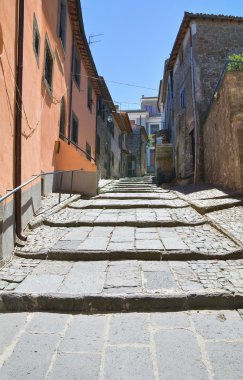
(70, 95)
(18, 123)
(196, 168)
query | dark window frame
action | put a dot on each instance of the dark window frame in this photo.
(90, 95)
(62, 23)
(36, 34)
(62, 120)
(76, 68)
(48, 50)
(88, 151)
(183, 98)
(74, 119)
(181, 56)
(112, 159)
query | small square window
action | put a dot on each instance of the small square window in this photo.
(76, 67)
(36, 40)
(74, 132)
(48, 65)
(88, 151)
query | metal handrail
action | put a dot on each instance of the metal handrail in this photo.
(38, 176)
(77, 147)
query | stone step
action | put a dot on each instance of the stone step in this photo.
(161, 195)
(127, 204)
(143, 217)
(97, 287)
(133, 243)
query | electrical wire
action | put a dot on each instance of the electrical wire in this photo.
(115, 82)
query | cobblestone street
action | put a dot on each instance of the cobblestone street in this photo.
(136, 283)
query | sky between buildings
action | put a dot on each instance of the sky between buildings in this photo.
(138, 37)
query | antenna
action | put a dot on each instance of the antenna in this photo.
(92, 36)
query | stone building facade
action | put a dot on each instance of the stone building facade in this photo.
(150, 118)
(223, 135)
(201, 48)
(136, 144)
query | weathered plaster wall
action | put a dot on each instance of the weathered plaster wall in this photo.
(223, 135)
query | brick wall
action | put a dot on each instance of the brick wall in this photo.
(223, 135)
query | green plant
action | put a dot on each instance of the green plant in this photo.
(235, 62)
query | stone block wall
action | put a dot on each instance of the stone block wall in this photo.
(137, 146)
(104, 156)
(223, 135)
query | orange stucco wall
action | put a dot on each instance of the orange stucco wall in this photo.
(7, 90)
(41, 113)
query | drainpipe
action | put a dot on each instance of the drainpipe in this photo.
(70, 95)
(18, 122)
(196, 168)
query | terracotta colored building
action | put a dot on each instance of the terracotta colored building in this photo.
(48, 98)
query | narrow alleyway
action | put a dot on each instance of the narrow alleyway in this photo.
(139, 282)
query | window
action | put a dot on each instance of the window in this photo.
(120, 141)
(154, 128)
(76, 67)
(112, 159)
(98, 144)
(74, 132)
(48, 66)
(36, 40)
(89, 95)
(149, 109)
(183, 98)
(62, 19)
(111, 128)
(62, 120)
(88, 151)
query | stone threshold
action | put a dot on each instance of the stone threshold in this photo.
(103, 303)
(116, 255)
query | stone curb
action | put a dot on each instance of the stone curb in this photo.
(145, 223)
(146, 255)
(23, 302)
(207, 209)
(39, 219)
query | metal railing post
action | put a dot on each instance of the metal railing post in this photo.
(71, 184)
(60, 188)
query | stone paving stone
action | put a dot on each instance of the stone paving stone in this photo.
(133, 203)
(85, 278)
(149, 244)
(129, 329)
(230, 220)
(10, 326)
(223, 325)
(178, 355)
(125, 274)
(202, 192)
(186, 277)
(174, 243)
(79, 233)
(121, 246)
(170, 320)
(48, 323)
(85, 334)
(208, 205)
(31, 357)
(60, 268)
(160, 279)
(226, 360)
(128, 363)
(43, 283)
(75, 366)
(91, 244)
